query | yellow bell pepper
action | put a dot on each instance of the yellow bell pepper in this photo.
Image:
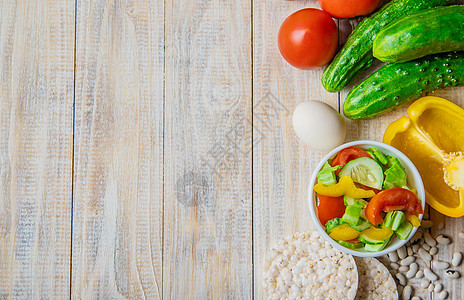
(433, 138)
(345, 186)
(344, 232)
(379, 234)
(414, 220)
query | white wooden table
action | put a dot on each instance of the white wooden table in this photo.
(146, 147)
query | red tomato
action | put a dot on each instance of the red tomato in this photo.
(348, 8)
(348, 154)
(308, 39)
(329, 208)
(392, 199)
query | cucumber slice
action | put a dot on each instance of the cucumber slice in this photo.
(365, 239)
(363, 224)
(394, 219)
(331, 224)
(354, 201)
(378, 247)
(404, 231)
(375, 153)
(352, 215)
(351, 245)
(364, 170)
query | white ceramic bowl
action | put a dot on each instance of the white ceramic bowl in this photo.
(414, 181)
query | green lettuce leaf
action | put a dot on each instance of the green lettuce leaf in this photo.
(326, 175)
(395, 175)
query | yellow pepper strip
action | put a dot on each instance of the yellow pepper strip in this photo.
(379, 234)
(433, 138)
(345, 186)
(344, 232)
(414, 220)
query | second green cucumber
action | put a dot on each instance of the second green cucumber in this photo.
(423, 33)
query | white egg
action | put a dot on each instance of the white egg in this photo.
(319, 125)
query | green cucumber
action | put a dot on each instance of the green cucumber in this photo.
(363, 224)
(423, 33)
(348, 201)
(396, 84)
(364, 170)
(365, 239)
(404, 230)
(352, 215)
(394, 219)
(375, 153)
(378, 247)
(331, 224)
(351, 245)
(356, 55)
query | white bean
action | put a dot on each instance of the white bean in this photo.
(407, 261)
(429, 240)
(424, 284)
(410, 252)
(433, 251)
(453, 274)
(440, 265)
(403, 269)
(401, 252)
(415, 298)
(425, 255)
(443, 295)
(394, 266)
(430, 275)
(413, 268)
(393, 256)
(457, 259)
(443, 240)
(401, 278)
(431, 287)
(461, 235)
(426, 247)
(407, 292)
(438, 288)
(426, 224)
(420, 274)
(415, 248)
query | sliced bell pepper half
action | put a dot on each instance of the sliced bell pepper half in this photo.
(431, 137)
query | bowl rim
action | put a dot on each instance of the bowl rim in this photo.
(404, 160)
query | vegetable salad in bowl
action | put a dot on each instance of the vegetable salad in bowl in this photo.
(366, 198)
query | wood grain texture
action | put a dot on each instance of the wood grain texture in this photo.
(36, 108)
(207, 236)
(118, 171)
(282, 165)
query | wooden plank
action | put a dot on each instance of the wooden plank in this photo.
(282, 164)
(207, 236)
(36, 110)
(118, 162)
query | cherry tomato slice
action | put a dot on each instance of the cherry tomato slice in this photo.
(348, 154)
(392, 199)
(329, 208)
